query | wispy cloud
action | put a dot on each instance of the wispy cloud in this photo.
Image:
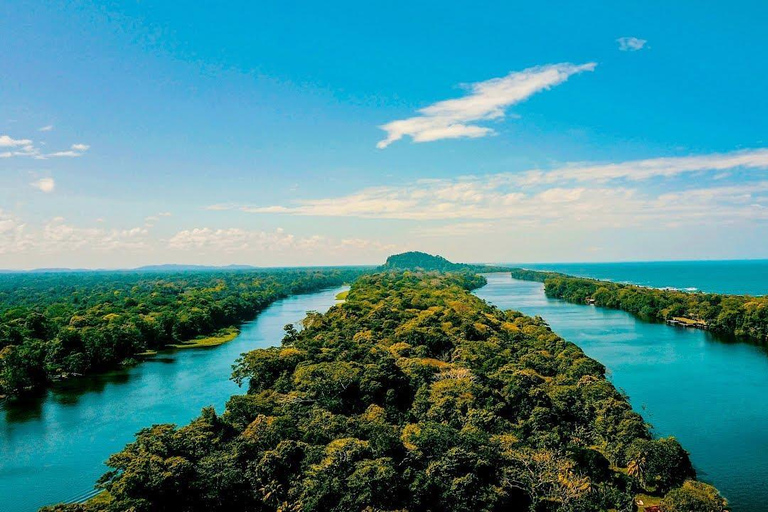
(631, 44)
(485, 101)
(640, 170)
(75, 151)
(58, 237)
(7, 141)
(619, 194)
(256, 242)
(44, 184)
(46, 128)
(27, 148)
(56, 241)
(151, 220)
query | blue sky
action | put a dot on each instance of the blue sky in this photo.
(141, 132)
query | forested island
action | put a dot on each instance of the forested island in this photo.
(416, 260)
(416, 395)
(63, 324)
(740, 316)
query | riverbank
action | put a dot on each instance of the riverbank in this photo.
(63, 325)
(740, 317)
(688, 383)
(53, 447)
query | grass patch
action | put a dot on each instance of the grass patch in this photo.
(217, 339)
(146, 353)
(647, 500)
(342, 295)
(103, 498)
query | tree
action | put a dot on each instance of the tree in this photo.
(693, 496)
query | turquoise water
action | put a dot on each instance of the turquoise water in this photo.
(52, 449)
(709, 394)
(737, 277)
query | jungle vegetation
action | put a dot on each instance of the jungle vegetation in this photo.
(412, 395)
(55, 325)
(739, 316)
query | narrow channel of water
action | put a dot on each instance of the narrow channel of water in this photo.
(711, 395)
(52, 449)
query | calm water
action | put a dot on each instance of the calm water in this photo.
(711, 395)
(53, 449)
(738, 277)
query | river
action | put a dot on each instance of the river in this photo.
(52, 448)
(711, 395)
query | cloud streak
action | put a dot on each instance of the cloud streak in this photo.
(591, 195)
(27, 148)
(630, 44)
(485, 101)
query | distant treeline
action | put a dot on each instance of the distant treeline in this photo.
(416, 395)
(740, 316)
(55, 325)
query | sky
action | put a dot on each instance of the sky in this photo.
(298, 133)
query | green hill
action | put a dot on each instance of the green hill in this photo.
(420, 260)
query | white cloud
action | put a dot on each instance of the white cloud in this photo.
(75, 150)
(639, 170)
(458, 229)
(46, 128)
(44, 184)
(27, 148)
(257, 243)
(56, 237)
(61, 243)
(613, 195)
(485, 101)
(630, 44)
(7, 142)
(13, 234)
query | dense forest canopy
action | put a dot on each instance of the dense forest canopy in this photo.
(742, 316)
(53, 325)
(412, 395)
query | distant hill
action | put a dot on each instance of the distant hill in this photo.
(423, 261)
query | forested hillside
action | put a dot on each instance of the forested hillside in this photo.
(416, 260)
(741, 316)
(412, 395)
(56, 325)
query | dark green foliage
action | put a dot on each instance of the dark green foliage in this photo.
(412, 395)
(56, 325)
(740, 316)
